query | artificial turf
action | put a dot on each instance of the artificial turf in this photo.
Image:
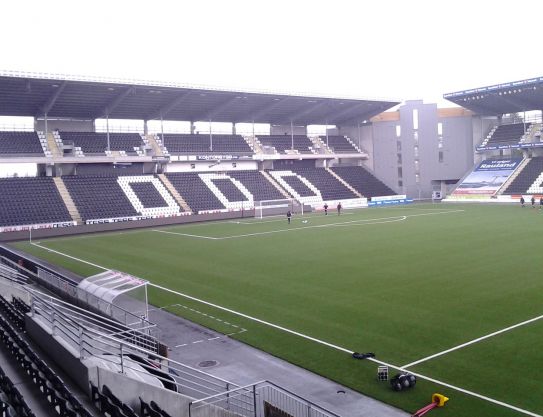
(403, 282)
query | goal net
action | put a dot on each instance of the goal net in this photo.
(278, 207)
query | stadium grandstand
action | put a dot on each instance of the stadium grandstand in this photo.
(92, 343)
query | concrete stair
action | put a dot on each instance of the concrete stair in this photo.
(251, 141)
(52, 145)
(346, 184)
(67, 198)
(169, 186)
(157, 150)
(270, 179)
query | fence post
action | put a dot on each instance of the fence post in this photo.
(227, 396)
(254, 399)
(122, 360)
(81, 348)
(53, 324)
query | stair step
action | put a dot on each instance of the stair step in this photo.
(68, 201)
(169, 186)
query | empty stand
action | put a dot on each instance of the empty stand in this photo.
(99, 197)
(340, 144)
(96, 143)
(20, 144)
(194, 191)
(120, 197)
(283, 143)
(328, 185)
(257, 184)
(31, 201)
(511, 133)
(529, 180)
(202, 144)
(363, 181)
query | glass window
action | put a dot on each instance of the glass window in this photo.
(415, 119)
(398, 131)
(440, 156)
(440, 128)
(400, 172)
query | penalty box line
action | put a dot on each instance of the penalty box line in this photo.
(322, 342)
(345, 350)
(360, 222)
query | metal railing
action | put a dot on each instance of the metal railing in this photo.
(258, 400)
(132, 350)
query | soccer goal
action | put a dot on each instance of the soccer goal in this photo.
(277, 207)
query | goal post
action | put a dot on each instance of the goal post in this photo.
(278, 207)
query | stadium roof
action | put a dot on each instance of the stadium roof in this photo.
(513, 97)
(61, 96)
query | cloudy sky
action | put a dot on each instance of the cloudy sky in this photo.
(395, 49)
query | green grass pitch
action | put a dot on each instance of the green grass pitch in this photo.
(403, 282)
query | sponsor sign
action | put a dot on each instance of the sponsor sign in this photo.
(390, 202)
(487, 178)
(221, 157)
(36, 226)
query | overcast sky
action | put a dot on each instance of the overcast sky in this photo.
(396, 49)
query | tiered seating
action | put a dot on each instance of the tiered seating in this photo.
(29, 201)
(283, 143)
(363, 181)
(20, 144)
(230, 191)
(508, 134)
(195, 192)
(329, 186)
(49, 384)
(120, 197)
(151, 409)
(201, 144)
(109, 404)
(257, 184)
(529, 180)
(96, 143)
(99, 197)
(339, 144)
(148, 194)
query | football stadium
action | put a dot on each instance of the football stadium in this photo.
(173, 250)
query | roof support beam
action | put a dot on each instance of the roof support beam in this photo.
(309, 110)
(208, 115)
(164, 110)
(113, 104)
(46, 108)
(267, 108)
(335, 117)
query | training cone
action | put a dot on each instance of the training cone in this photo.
(438, 400)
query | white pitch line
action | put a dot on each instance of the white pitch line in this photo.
(365, 221)
(184, 234)
(399, 219)
(69, 256)
(322, 342)
(471, 342)
(342, 349)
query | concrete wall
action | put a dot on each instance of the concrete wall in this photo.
(210, 166)
(66, 125)
(457, 148)
(383, 159)
(110, 227)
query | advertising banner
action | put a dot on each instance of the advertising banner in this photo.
(487, 178)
